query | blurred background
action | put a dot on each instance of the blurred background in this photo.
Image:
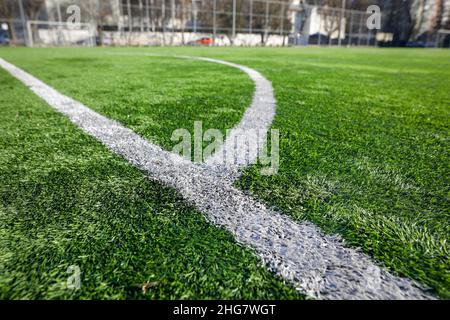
(397, 23)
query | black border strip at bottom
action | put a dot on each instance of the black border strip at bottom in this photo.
(223, 309)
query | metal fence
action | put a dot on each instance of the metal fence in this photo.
(195, 22)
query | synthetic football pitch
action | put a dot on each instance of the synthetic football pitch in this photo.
(359, 206)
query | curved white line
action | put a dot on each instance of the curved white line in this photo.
(258, 117)
(227, 162)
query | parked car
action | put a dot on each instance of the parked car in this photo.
(4, 37)
(205, 41)
(416, 44)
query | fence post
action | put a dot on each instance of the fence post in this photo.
(194, 12)
(130, 22)
(266, 27)
(141, 21)
(58, 11)
(172, 23)
(152, 15)
(361, 21)
(340, 23)
(163, 22)
(250, 27)
(58, 8)
(147, 17)
(214, 21)
(350, 33)
(24, 24)
(320, 27)
(234, 21)
(330, 33)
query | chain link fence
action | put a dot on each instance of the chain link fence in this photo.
(191, 22)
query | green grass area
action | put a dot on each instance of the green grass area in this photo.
(365, 153)
(364, 146)
(66, 200)
(151, 95)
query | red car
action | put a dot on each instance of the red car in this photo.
(206, 41)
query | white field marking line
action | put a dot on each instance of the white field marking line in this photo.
(258, 116)
(318, 265)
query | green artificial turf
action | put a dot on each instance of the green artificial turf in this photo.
(153, 95)
(65, 200)
(364, 148)
(365, 152)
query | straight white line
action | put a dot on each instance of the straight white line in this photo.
(317, 264)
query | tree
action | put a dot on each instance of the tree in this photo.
(419, 20)
(270, 18)
(99, 11)
(32, 9)
(267, 17)
(183, 14)
(7, 11)
(398, 20)
(437, 16)
(330, 21)
(223, 18)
